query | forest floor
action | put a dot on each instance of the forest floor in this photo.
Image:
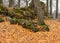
(17, 34)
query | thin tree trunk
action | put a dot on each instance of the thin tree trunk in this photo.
(47, 6)
(1, 1)
(32, 4)
(56, 8)
(18, 3)
(50, 8)
(11, 2)
(26, 3)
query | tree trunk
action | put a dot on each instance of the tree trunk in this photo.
(1, 1)
(39, 11)
(18, 3)
(11, 2)
(56, 8)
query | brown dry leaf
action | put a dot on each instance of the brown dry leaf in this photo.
(16, 34)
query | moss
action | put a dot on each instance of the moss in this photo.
(45, 28)
(1, 20)
(27, 24)
(18, 16)
(24, 12)
(35, 30)
(42, 3)
(24, 8)
(17, 10)
(3, 7)
(30, 25)
(21, 21)
(13, 21)
(1, 11)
